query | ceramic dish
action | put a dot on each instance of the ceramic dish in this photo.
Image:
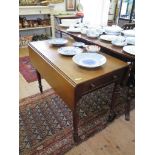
(75, 30)
(129, 49)
(108, 37)
(89, 60)
(79, 44)
(64, 25)
(113, 29)
(128, 33)
(92, 48)
(130, 40)
(70, 50)
(119, 41)
(113, 33)
(58, 41)
(84, 30)
(92, 35)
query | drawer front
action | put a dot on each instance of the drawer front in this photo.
(100, 82)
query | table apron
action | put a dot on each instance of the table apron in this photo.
(98, 83)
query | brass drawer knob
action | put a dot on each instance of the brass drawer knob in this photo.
(92, 85)
(115, 77)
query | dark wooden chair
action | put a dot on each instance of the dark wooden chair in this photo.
(128, 26)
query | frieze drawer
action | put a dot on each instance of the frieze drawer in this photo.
(100, 82)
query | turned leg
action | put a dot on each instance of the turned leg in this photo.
(112, 114)
(75, 124)
(130, 86)
(39, 81)
(127, 107)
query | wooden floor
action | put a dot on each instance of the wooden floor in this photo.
(117, 139)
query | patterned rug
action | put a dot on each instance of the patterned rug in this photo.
(45, 123)
(26, 69)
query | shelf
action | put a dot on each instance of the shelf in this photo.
(32, 28)
(34, 10)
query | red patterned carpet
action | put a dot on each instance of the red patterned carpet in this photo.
(26, 69)
(45, 123)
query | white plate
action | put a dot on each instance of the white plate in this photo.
(64, 25)
(70, 50)
(79, 44)
(129, 33)
(129, 49)
(75, 30)
(113, 33)
(89, 60)
(108, 37)
(58, 41)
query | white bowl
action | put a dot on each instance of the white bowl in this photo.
(113, 29)
(129, 33)
(84, 30)
(92, 48)
(130, 40)
(89, 60)
(119, 41)
(92, 35)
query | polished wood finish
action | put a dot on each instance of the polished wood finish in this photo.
(69, 80)
(115, 51)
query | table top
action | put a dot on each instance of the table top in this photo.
(70, 70)
(106, 45)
